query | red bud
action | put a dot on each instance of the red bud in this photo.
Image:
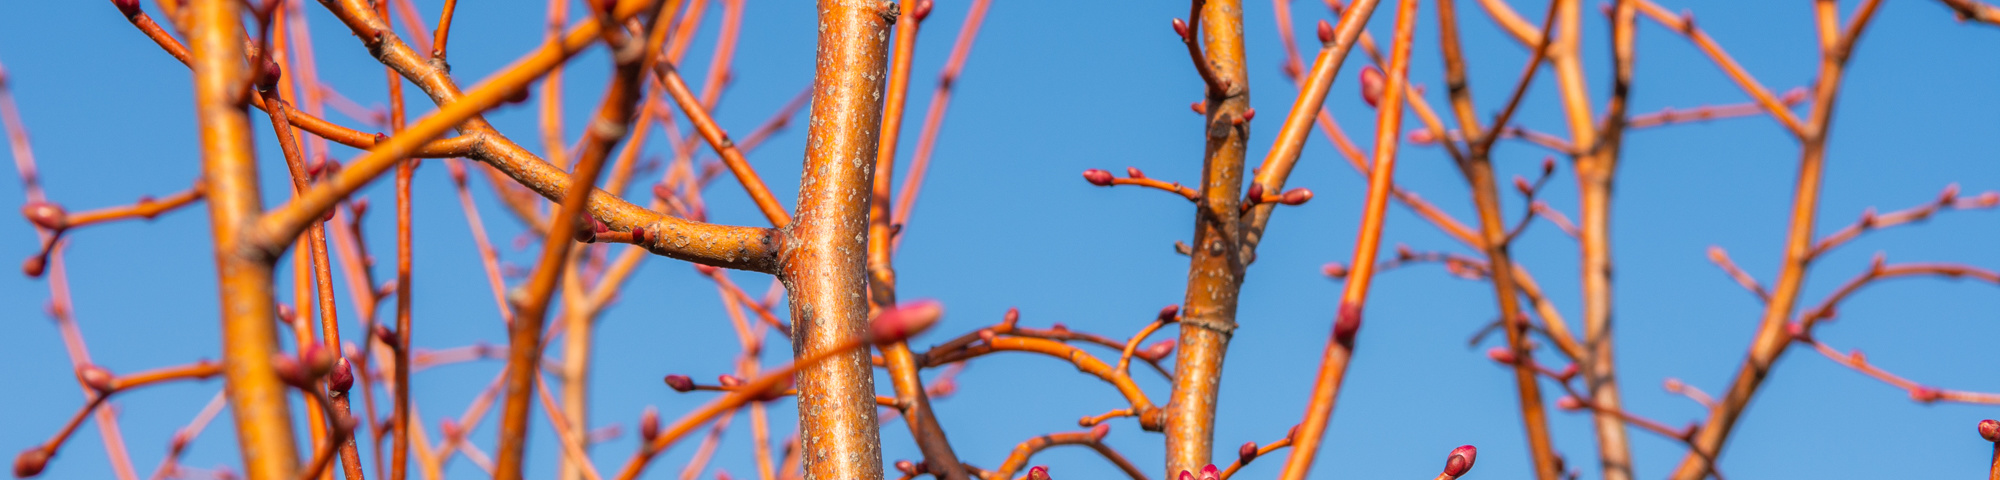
(1210, 473)
(1181, 28)
(904, 321)
(680, 383)
(1989, 429)
(729, 381)
(30, 462)
(384, 335)
(1170, 312)
(1012, 316)
(1255, 193)
(47, 215)
(1249, 114)
(907, 467)
(128, 7)
(267, 78)
(1334, 269)
(1158, 351)
(649, 422)
(289, 371)
(317, 359)
(1186, 475)
(1371, 85)
(342, 378)
(35, 266)
(1569, 402)
(1522, 185)
(922, 11)
(1422, 136)
(1098, 432)
(1296, 196)
(1246, 453)
(1040, 472)
(97, 378)
(1134, 172)
(519, 96)
(1460, 461)
(1548, 165)
(1325, 32)
(1097, 177)
(1502, 355)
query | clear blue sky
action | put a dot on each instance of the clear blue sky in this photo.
(1056, 87)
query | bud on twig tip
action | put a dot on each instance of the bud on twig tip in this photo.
(31, 462)
(904, 321)
(47, 215)
(1989, 429)
(1097, 177)
(1246, 453)
(1038, 472)
(680, 383)
(1460, 461)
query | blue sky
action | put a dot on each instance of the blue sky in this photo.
(1053, 88)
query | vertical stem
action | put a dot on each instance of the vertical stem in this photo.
(1340, 345)
(257, 398)
(824, 263)
(1215, 273)
(901, 362)
(1772, 338)
(1596, 169)
(1493, 230)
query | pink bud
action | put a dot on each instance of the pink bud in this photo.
(1186, 475)
(1334, 270)
(1371, 85)
(1325, 32)
(1169, 313)
(1246, 453)
(904, 321)
(729, 381)
(1569, 402)
(342, 378)
(1012, 316)
(649, 422)
(1199, 108)
(1158, 351)
(97, 378)
(1674, 385)
(31, 462)
(1181, 28)
(1039, 472)
(1460, 461)
(1249, 114)
(708, 270)
(680, 383)
(1210, 473)
(922, 11)
(1134, 172)
(289, 371)
(1422, 136)
(47, 215)
(1296, 196)
(1522, 185)
(317, 359)
(1097, 177)
(1926, 394)
(1989, 429)
(1098, 432)
(907, 467)
(1502, 355)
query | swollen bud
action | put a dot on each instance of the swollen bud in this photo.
(1548, 166)
(1181, 28)
(35, 266)
(47, 215)
(903, 321)
(1246, 453)
(1989, 429)
(1569, 402)
(680, 383)
(1371, 85)
(922, 11)
(1210, 473)
(128, 7)
(1422, 137)
(1040, 472)
(649, 422)
(1255, 193)
(1296, 196)
(1334, 270)
(30, 462)
(267, 78)
(908, 468)
(317, 360)
(1098, 432)
(1460, 461)
(1522, 185)
(1325, 32)
(1097, 177)
(1502, 355)
(1157, 351)
(1200, 108)
(342, 378)
(95, 377)
(729, 381)
(290, 372)
(1134, 172)
(1170, 312)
